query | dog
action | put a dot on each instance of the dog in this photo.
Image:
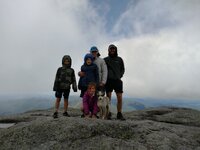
(103, 104)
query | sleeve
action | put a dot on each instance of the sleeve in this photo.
(104, 71)
(79, 84)
(56, 82)
(85, 104)
(97, 75)
(80, 80)
(74, 84)
(122, 68)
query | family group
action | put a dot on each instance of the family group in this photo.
(96, 74)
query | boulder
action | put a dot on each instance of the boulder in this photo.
(150, 129)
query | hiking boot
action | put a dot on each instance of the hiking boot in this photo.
(120, 116)
(109, 116)
(66, 114)
(55, 115)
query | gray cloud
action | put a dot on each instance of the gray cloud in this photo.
(36, 34)
(162, 56)
(159, 41)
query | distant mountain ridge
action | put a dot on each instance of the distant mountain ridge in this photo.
(21, 103)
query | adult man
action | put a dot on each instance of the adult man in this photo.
(115, 66)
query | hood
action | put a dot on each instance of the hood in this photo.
(112, 47)
(67, 57)
(88, 56)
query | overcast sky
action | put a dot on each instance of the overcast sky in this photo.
(159, 41)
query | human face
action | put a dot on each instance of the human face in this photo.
(94, 53)
(112, 50)
(88, 61)
(91, 90)
(66, 62)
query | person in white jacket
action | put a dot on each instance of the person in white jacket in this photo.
(103, 72)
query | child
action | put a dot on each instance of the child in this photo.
(90, 107)
(91, 74)
(65, 76)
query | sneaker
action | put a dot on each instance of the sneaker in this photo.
(66, 114)
(55, 115)
(120, 116)
(82, 116)
(109, 116)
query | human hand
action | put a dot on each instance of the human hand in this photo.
(94, 116)
(75, 88)
(101, 84)
(81, 74)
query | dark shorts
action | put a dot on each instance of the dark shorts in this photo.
(65, 94)
(116, 85)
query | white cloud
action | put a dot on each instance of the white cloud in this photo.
(36, 34)
(156, 68)
(158, 40)
(164, 63)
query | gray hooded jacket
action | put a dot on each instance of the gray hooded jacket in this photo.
(115, 64)
(102, 67)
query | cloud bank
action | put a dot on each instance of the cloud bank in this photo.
(36, 34)
(158, 40)
(162, 51)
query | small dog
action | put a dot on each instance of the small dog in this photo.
(103, 104)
